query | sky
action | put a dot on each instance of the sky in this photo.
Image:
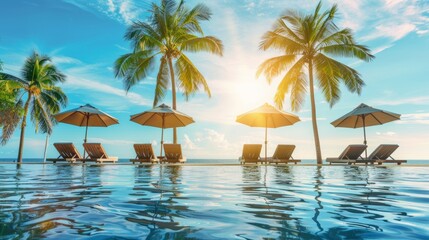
(84, 38)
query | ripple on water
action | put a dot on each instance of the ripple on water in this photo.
(207, 202)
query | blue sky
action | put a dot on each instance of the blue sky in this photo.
(84, 38)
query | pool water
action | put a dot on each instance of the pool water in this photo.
(213, 202)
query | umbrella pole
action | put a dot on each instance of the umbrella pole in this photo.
(162, 139)
(46, 148)
(162, 134)
(86, 135)
(364, 136)
(266, 131)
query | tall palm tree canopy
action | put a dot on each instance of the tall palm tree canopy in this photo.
(311, 39)
(308, 42)
(37, 93)
(38, 81)
(172, 30)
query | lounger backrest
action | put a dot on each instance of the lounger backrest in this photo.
(144, 151)
(95, 150)
(283, 151)
(173, 151)
(383, 152)
(251, 151)
(67, 150)
(353, 151)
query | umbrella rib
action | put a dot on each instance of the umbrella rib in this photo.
(179, 119)
(376, 119)
(83, 119)
(99, 116)
(342, 120)
(357, 119)
(284, 116)
(390, 115)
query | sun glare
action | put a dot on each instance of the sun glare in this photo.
(249, 94)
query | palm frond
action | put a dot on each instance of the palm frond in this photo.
(190, 78)
(190, 20)
(274, 40)
(40, 116)
(133, 67)
(143, 36)
(272, 67)
(10, 114)
(208, 44)
(9, 79)
(331, 72)
(162, 80)
(349, 50)
(294, 81)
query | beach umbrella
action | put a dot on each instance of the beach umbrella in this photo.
(86, 116)
(162, 117)
(364, 116)
(267, 116)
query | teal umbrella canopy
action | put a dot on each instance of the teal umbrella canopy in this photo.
(364, 116)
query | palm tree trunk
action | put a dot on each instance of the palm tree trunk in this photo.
(23, 124)
(313, 114)
(173, 93)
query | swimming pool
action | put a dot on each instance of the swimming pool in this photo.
(213, 202)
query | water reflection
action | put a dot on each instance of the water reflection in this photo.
(160, 200)
(193, 202)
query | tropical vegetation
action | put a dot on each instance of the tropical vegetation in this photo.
(307, 43)
(35, 93)
(172, 30)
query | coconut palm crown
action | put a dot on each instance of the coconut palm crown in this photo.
(172, 30)
(37, 93)
(307, 43)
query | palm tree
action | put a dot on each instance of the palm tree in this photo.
(43, 97)
(172, 29)
(306, 43)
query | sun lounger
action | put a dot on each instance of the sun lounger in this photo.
(144, 154)
(250, 153)
(351, 155)
(381, 154)
(173, 154)
(283, 154)
(67, 151)
(96, 153)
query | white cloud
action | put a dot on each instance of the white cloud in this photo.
(111, 5)
(189, 144)
(65, 60)
(82, 83)
(381, 48)
(390, 20)
(386, 133)
(393, 31)
(414, 118)
(419, 100)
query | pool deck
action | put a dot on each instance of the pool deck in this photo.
(219, 164)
